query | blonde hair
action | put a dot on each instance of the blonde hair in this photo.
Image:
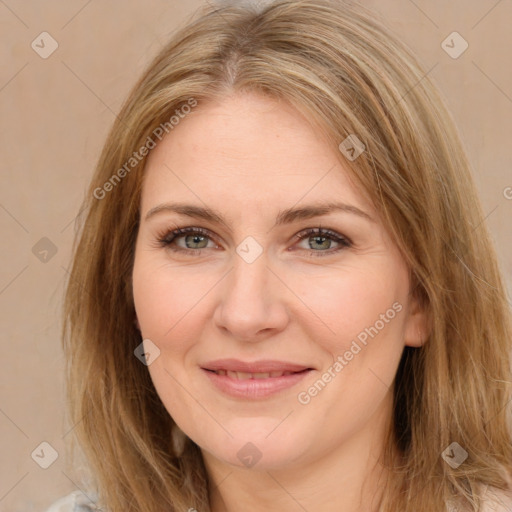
(348, 75)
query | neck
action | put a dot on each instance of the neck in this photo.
(349, 477)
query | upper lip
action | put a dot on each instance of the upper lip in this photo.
(263, 366)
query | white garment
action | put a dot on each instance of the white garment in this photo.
(496, 501)
(75, 502)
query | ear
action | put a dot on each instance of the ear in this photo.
(418, 324)
(136, 322)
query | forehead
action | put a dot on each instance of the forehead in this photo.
(246, 151)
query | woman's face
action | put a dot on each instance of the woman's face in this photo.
(305, 334)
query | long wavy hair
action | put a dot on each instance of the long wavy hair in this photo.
(348, 75)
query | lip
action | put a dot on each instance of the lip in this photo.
(263, 366)
(251, 388)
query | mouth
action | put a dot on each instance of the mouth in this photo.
(264, 367)
(256, 380)
(258, 375)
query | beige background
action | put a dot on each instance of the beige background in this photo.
(55, 113)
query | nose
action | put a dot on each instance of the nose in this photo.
(251, 305)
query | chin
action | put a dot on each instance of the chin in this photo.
(257, 450)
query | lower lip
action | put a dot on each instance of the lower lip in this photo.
(254, 388)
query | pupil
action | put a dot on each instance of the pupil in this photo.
(196, 239)
(320, 239)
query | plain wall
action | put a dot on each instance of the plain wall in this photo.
(54, 116)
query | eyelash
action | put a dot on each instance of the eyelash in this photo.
(165, 239)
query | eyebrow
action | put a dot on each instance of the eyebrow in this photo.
(287, 216)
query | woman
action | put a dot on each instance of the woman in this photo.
(284, 296)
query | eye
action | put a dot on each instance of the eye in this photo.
(196, 239)
(322, 237)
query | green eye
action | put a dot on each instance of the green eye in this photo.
(196, 240)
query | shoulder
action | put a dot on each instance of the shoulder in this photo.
(496, 500)
(75, 502)
(493, 500)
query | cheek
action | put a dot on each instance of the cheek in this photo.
(168, 305)
(171, 300)
(365, 311)
(355, 302)
(168, 300)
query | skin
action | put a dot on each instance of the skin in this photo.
(248, 157)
